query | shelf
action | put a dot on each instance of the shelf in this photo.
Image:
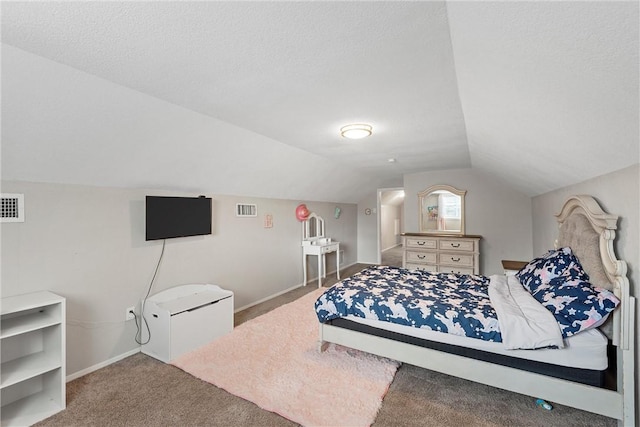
(32, 369)
(29, 410)
(27, 367)
(29, 322)
(29, 301)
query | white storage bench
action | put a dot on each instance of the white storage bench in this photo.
(186, 317)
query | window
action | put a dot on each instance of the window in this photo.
(450, 206)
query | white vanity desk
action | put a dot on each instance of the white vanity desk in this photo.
(315, 243)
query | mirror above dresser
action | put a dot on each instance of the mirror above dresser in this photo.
(441, 210)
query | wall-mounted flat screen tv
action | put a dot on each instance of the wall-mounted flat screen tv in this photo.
(170, 217)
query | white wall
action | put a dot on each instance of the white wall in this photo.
(87, 244)
(500, 214)
(389, 214)
(368, 230)
(618, 194)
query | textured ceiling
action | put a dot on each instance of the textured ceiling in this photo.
(532, 92)
(549, 89)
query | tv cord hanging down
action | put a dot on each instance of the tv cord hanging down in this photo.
(138, 336)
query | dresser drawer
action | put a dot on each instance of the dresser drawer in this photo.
(442, 253)
(455, 270)
(329, 248)
(416, 242)
(462, 260)
(421, 267)
(457, 245)
(422, 257)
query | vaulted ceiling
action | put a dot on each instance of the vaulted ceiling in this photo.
(248, 97)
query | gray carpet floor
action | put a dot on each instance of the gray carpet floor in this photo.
(392, 257)
(141, 391)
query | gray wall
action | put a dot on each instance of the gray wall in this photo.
(388, 216)
(368, 230)
(87, 244)
(618, 194)
(501, 215)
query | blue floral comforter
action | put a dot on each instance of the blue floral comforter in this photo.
(451, 303)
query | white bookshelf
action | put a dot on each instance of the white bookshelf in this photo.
(32, 354)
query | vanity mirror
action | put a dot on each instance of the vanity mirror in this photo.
(441, 210)
(313, 228)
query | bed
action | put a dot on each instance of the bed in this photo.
(576, 378)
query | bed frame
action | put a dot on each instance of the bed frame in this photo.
(590, 232)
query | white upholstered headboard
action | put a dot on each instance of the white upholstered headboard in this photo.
(590, 232)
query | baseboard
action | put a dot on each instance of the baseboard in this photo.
(391, 247)
(309, 281)
(100, 365)
(244, 307)
(333, 272)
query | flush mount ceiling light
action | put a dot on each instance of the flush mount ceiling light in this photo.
(355, 131)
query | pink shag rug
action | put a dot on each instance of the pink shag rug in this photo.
(273, 361)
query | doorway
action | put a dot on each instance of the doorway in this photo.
(390, 226)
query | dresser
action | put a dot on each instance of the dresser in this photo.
(441, 253)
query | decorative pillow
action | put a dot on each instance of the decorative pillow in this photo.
(577, 306)
(556, 263)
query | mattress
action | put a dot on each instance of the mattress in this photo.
(586, 350)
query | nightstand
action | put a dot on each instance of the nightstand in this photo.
(512, 267)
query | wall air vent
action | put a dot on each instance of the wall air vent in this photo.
(246, 210)
(11, 207)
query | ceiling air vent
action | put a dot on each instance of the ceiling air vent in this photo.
(11, 207)
(245, 210)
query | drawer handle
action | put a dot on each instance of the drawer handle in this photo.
(421, 243)
(455, 245)
(421, 256)
(455, 259)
